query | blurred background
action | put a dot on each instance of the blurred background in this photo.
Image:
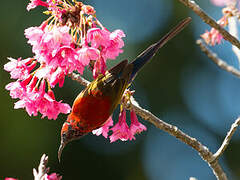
(181, 86)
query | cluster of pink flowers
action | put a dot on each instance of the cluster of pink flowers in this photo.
(71, 39)
(53, 176)
(213, 36)
(222, 2)
(121, 130)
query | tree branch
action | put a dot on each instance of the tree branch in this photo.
(232, 26)
(174, 131)
(208, 156)
(221, 63)
(42, 169)
(207, 19)
(227, 139)
(177, 133)
(79, 79)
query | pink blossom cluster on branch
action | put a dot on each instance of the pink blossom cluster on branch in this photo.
(121, 130)
(213, 36)
(69, 40)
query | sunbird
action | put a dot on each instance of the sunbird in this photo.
(96, 103)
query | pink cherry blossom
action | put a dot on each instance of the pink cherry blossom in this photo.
(31, 97)
(51, 108)
(136, 126)
(18, 88)
(65, 57)
(85, 54)
(34, 36)
(104, 129)
(109, 43)
(88, 9)
(121, 130)
(53, 6)
(29, 103)
(216, 37)
(116, 43)
(98, 37)
(54, 176)
(213, 36)
(31, 85)
(54, 2)
(15, 88)
(57, 76)
(99, 67)
(222, 2)
(20, 69)
(51, 42)
(55, 48)
(35, 3)
(57, 36)
(36, 100)
(47, 41)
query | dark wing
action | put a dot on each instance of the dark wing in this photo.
(113, 83)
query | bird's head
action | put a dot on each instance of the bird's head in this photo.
(71, 130)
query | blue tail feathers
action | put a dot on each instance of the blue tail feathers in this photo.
(146, 55)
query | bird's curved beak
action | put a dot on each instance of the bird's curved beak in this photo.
(61, 147)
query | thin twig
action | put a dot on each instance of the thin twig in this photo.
(227, 139)
(221, 63)
(207, 19)
(232, 8)
(79, 79)
(174, 131)
(233, 30)
(42, 169)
